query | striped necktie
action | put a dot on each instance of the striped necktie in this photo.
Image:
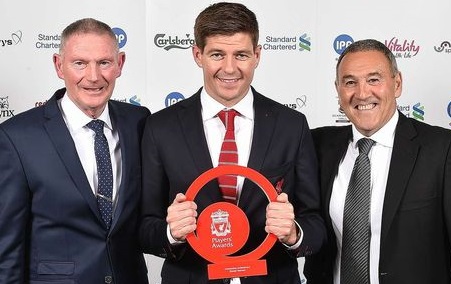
(228, 156)
(356, 220)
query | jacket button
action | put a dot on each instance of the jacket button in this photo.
(108, 279)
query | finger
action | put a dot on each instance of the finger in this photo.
(282, 198)
(180, 197)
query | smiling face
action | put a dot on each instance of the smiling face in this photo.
(228, 64)
(367, 90)
(89, 65)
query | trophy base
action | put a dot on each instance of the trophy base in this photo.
(235, 269)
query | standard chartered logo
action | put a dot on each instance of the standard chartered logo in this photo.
(418, 111)
(304, 42)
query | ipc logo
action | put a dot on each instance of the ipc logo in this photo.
(121, 36)
(341, 42)
(449, 109)
(173, 98)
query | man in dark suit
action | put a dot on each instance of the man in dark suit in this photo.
(51, 229)
(183, 141)
(410, 197)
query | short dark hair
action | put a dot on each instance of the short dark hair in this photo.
(370, 45)
(85, 26)
(227, 19)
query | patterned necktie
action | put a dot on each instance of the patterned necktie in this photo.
(356, 220)
(228, 156)
(104, 172)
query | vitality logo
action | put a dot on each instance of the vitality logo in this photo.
(418, 112)
(402, 49)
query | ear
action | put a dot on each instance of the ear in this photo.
(57, 62)
(257, 53)
(120, 62)
(398, 85)
(197, 55)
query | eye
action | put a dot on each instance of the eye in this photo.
(216, 56)
(79, 65)
(350, 83)
(373, 81)
(242, 56)
(104, 64)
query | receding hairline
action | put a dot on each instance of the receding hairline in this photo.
(86, 26)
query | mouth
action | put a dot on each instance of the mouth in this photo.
(228, 81)
(365, 106)
(93, 90)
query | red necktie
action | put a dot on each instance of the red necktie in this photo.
(228, 156)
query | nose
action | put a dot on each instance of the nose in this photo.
(92, 72)
(229, 64)
(363, 90)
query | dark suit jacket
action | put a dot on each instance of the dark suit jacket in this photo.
(175, 152)
(50, 227)
(416, 217)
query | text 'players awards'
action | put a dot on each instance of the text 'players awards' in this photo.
(223, 229)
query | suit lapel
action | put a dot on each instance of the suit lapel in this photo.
(333, 152)
(190, 118)
(119, 122)
(404, 155)
(264, 122)
(64, 145)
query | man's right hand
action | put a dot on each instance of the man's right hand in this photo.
(181, 217)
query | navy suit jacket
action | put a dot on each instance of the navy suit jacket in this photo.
(175, 153)
(416, 217)
(50, 227)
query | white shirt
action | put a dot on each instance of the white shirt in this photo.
(83, 138)
(214, 128)
(379, 155)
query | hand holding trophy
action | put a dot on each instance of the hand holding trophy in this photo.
(223, 229)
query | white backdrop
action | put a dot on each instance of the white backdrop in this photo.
(301, 43)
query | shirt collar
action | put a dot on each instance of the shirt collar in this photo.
(211, 107)
(77, 119)
(384, 136)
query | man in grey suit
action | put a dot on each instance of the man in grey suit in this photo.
(51, 228)
(410, 192)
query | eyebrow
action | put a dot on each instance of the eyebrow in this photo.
(376, 73)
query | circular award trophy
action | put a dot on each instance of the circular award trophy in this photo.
(223, 229)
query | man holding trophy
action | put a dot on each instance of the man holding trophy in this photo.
(226, 123)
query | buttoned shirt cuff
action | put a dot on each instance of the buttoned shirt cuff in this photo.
(172, 241)
(300, 237)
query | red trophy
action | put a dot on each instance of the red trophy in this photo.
(223, 229)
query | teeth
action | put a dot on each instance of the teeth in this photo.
(228, 80)
(366, 107)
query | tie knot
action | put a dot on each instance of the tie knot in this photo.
(227, 117)
(96, 125)
(365, 145)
